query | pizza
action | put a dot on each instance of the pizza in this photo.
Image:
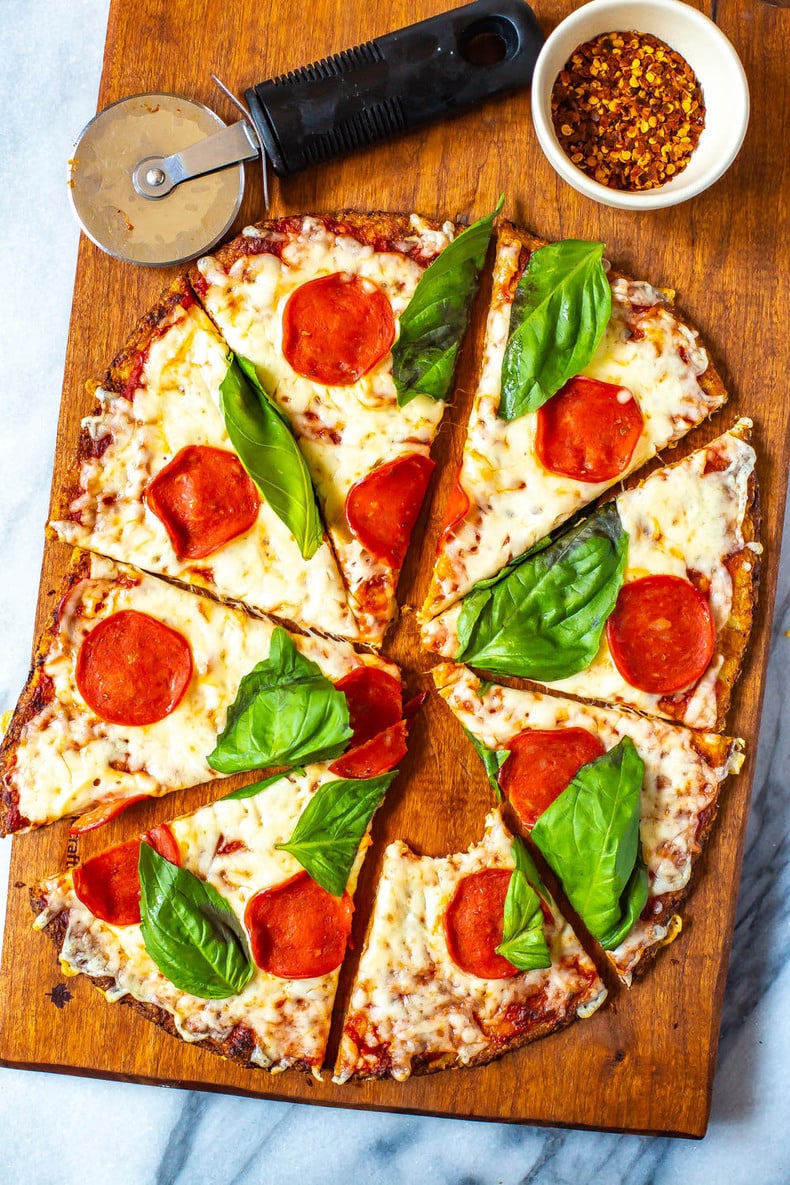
(211, 925)
(243, 497)
(530, 462)
(646, 603)
(538, 744)
(432, 990)
(157, 481)
(318, 305)
(140, 687)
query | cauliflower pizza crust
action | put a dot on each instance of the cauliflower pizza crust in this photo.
(505, 498)
(683, 773)
(61, 758)
(414, 1010)
(263, 291)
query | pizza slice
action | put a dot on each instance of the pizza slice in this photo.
(140, 687)
(585, 375)
(467, 957)
(188, 471)
(228, 926)
(648, 602)
(354, 323)
(583, 780)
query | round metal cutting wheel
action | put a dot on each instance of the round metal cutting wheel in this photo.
(154, 231)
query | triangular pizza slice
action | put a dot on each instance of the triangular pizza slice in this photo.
(585, 375)
(621, 806)
(227, 926)
(354, 323)
(186, 470)
(648, 602)
(140, 687)
(466, 957)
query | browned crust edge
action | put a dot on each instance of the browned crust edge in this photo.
(32, 700)
(378, 229)
(237, 1046)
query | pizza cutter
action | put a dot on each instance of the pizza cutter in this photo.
(158, 178)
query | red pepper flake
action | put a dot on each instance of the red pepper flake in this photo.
(628, 110)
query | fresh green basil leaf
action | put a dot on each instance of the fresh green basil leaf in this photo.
(631, 905)
(326, 838)
(562, 306)
(254, 788)
(543, 618)
(190, 930)
(286, 712)
(268, 451)
(492, 759)
(523, 939)
(435, 319)
(589, 835)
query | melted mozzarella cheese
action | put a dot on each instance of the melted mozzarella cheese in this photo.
(177, 404)
(681, 519)
(514, 500)
(289, 1018)
(679, 788)
(68, 760)
(410, 1000)
(344, 432)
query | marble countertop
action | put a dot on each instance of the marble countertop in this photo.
(142, 1135)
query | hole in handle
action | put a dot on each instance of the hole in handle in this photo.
(488, 41)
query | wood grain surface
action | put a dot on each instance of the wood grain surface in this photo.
(645, 1061)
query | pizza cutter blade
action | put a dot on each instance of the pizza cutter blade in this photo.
(157, 179)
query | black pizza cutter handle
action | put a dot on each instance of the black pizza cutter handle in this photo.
(436, 68)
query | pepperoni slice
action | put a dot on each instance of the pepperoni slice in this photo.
(133, 669)
(336, 328)
(297, 929)
(541, 764)
(588, 430)
(382, 508)
(377, 756)
(374, 701)
(204, 498)
(108, 883)
(456, 509)
(661, 634)
(474, 922)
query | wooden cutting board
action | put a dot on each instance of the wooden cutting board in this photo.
(645, 1061)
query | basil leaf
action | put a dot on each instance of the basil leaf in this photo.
(190, 930)
(492, 759)
(263, 438)
(544, 618)
(562, 306)
(254, 788)
(523, 940)
(590, 836)
(435, 319)
(632, 903)
(327, 837)
(286, 712)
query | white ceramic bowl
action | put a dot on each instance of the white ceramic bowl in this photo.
(711, 57)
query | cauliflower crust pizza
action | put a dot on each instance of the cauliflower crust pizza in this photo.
(241, 502)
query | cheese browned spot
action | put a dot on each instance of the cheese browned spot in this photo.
(414, 1010)
(514, 501)
(684, 771)
(231, 845)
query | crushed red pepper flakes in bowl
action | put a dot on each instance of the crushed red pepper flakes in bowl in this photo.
(628, 110)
